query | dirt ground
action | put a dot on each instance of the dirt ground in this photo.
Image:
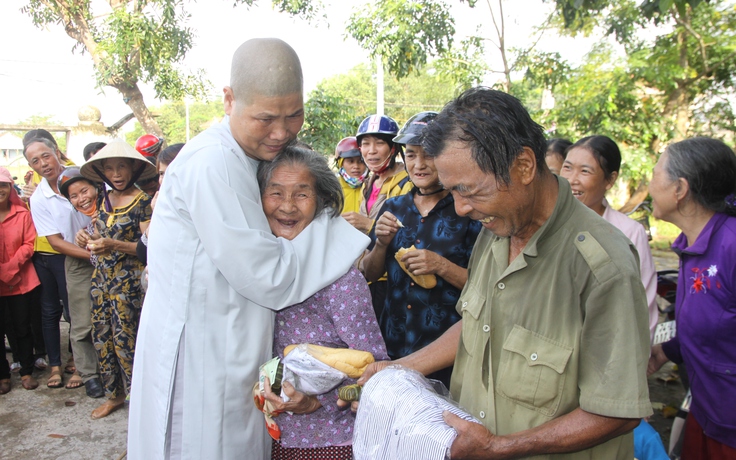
(54, 423)
(51, 424)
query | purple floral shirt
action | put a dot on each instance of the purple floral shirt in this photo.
(706, 321)
(339, 316)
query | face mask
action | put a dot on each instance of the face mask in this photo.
(91, 211)
(353, 182)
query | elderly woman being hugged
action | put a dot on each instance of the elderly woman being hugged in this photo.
(296, 187)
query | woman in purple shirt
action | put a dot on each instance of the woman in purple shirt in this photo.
(296, 187)
(693, 187)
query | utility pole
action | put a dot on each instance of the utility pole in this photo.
(379, 85)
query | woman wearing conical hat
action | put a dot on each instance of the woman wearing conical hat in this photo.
(123, 213)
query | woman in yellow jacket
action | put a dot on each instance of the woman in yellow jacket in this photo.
(388, 176)
(352, 172)
(388, 179)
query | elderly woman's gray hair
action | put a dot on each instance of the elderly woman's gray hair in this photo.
(327, 186)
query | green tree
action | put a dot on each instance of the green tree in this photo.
(136, 41)
(691, 58)
(404, 32)
(338, 104)
(677, 84)
(171, 117)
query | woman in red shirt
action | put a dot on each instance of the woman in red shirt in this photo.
(17, 279)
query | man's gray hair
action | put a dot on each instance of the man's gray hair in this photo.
(327, 186)
(42, 140)
(266, 67)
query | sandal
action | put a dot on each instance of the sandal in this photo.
(55, 380)
(74, 382)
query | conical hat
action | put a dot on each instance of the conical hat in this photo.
(92, 169)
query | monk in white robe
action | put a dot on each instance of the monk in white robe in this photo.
(217, 274)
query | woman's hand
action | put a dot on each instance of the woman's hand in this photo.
(423, 262)
(29, 187)
(101, 246)
(359, 221)
(656, 359)
(386, 227)
(299, 403)
(81, 238)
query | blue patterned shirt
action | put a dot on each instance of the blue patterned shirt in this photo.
(413, 317)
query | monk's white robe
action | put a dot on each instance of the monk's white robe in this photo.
(216, 277)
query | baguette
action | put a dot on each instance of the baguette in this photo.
(425, 281)
(351, 362)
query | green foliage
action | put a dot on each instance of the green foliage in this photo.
(328, 118)
(634, 98)
(306, 9)
(147, 45)
(544, 69)
(404, 32)
(464, 65)
(140, 41)
(172, 120)
(338, 104)
(584, 15)
(602, 97)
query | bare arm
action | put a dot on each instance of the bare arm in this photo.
(436, 356)
(572, 432)
(62, 246)
(657, 359)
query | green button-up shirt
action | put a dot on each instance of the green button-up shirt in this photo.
(563, 326)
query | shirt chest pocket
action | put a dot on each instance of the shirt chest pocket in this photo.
(471, 304)
(532, 370)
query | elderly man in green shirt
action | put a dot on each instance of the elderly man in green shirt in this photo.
(552, 349)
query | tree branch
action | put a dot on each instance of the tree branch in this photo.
(701, 43)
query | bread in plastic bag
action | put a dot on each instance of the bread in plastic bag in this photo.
(400, 418)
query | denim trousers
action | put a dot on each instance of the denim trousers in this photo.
(54, 301)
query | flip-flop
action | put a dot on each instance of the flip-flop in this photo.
(74, 382)
(52, 381)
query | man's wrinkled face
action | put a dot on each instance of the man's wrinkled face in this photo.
(478, 195)
(266, 125)
(44, 160)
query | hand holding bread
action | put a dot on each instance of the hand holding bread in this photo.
(427, 281)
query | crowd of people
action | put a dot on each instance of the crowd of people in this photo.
(464, 246)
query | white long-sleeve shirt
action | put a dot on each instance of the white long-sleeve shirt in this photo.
(216, 276)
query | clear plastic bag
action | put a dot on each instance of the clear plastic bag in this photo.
(400, 417)
(308, 374)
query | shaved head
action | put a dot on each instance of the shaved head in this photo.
(265, 67)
